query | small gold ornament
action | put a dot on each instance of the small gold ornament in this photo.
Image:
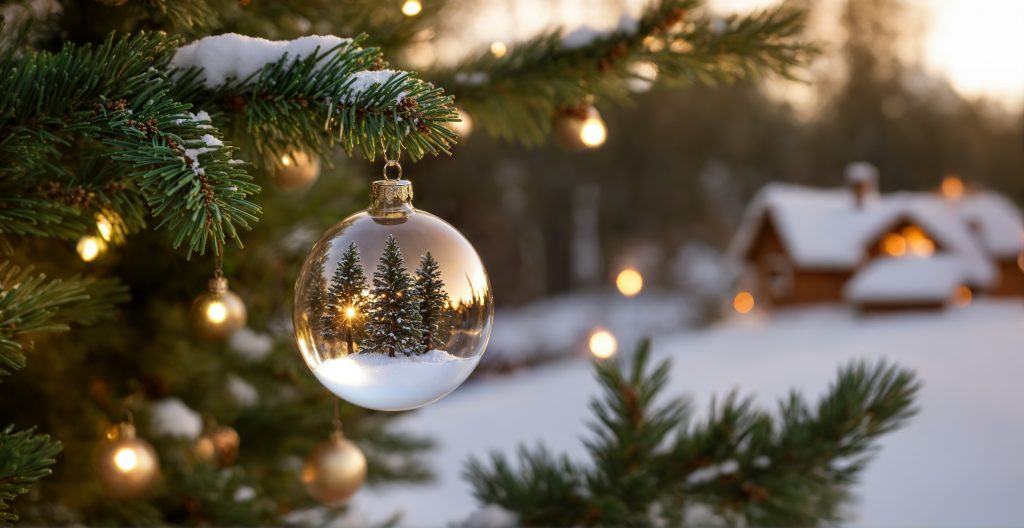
(128, 466)
(334, 470)
(219, 312)
(580, 128)
(296, 170)
(218, 445)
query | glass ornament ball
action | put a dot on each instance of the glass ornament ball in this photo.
(219, 445)
(128, 466)
(393, 307)
(579, 128)
(295, 170)
(219, 312)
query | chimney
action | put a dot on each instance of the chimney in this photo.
(862, 178)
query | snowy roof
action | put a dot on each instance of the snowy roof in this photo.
(997, 222)
(907, 280)
(825, 229)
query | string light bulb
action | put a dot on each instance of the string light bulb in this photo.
(128, 465)
(629, 281)
(90, 247)
(602, 343)
(411, 8)
(219, 312)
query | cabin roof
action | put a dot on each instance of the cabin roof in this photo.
(997, 221)
(907, 280)
(825, 229)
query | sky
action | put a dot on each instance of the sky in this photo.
(977, 44)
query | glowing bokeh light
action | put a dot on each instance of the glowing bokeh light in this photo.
(89, 247)
(216, 312)
(411, 8)
(894, 245)
(350, 312)
(286, 160)
(963, 296)
(593, 133)
(952, 187)
(629, 282)
(603, 344)
(126, 459)
(498, 49)
(743, 302)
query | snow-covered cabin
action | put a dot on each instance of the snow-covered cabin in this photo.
(904, 250)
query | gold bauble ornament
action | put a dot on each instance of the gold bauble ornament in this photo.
(580, 128)
(334, 470)
(219, 312)
(128, 466)
(218, 445)
(295, 170)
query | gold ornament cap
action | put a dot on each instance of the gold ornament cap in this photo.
(218, 285)
(391, 199)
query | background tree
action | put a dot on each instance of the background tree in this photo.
(346, 300)
(653, 464)
(393, 324)
(434, 309)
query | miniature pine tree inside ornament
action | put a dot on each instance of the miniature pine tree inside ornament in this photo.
(393, 306)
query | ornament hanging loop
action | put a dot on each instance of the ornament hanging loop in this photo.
(391, 162)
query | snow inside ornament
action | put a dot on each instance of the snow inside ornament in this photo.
(393, 306)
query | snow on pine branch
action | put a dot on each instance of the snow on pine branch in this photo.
(584, 36)
(233, 56)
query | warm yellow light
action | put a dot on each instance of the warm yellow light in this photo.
(411, 7)
(498, 49)
(286, 160)
(952, 187)
(593, 133)
(629, 282)
(463, 127)
(743, 302)
(350, 312)
(104, 227)
(603, 344)
(918, 242)
(894, 245)
(216, 312)
(962, 296)
(89, 247)
(126, 459)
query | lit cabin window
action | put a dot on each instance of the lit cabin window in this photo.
(911, 241)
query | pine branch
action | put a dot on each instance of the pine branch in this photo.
(31, 303)
(740, 465)
(517, 95)
(322, 99)
(25, 457)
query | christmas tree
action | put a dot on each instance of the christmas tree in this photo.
(393, 324)
(434, 309)
(346, 300)
(120, 115)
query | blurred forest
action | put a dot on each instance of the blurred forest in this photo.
(680, 165)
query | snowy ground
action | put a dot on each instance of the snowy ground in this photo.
(959, 462)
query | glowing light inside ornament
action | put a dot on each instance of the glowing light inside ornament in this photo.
(603, 344)
(286, 160)
(216, 312)
(743, 302)
(593, 132)
(952, 187)
(378, 381)
(126, 459)
(498, 49)
(629, 282)
(412, 8)
(89, 247)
